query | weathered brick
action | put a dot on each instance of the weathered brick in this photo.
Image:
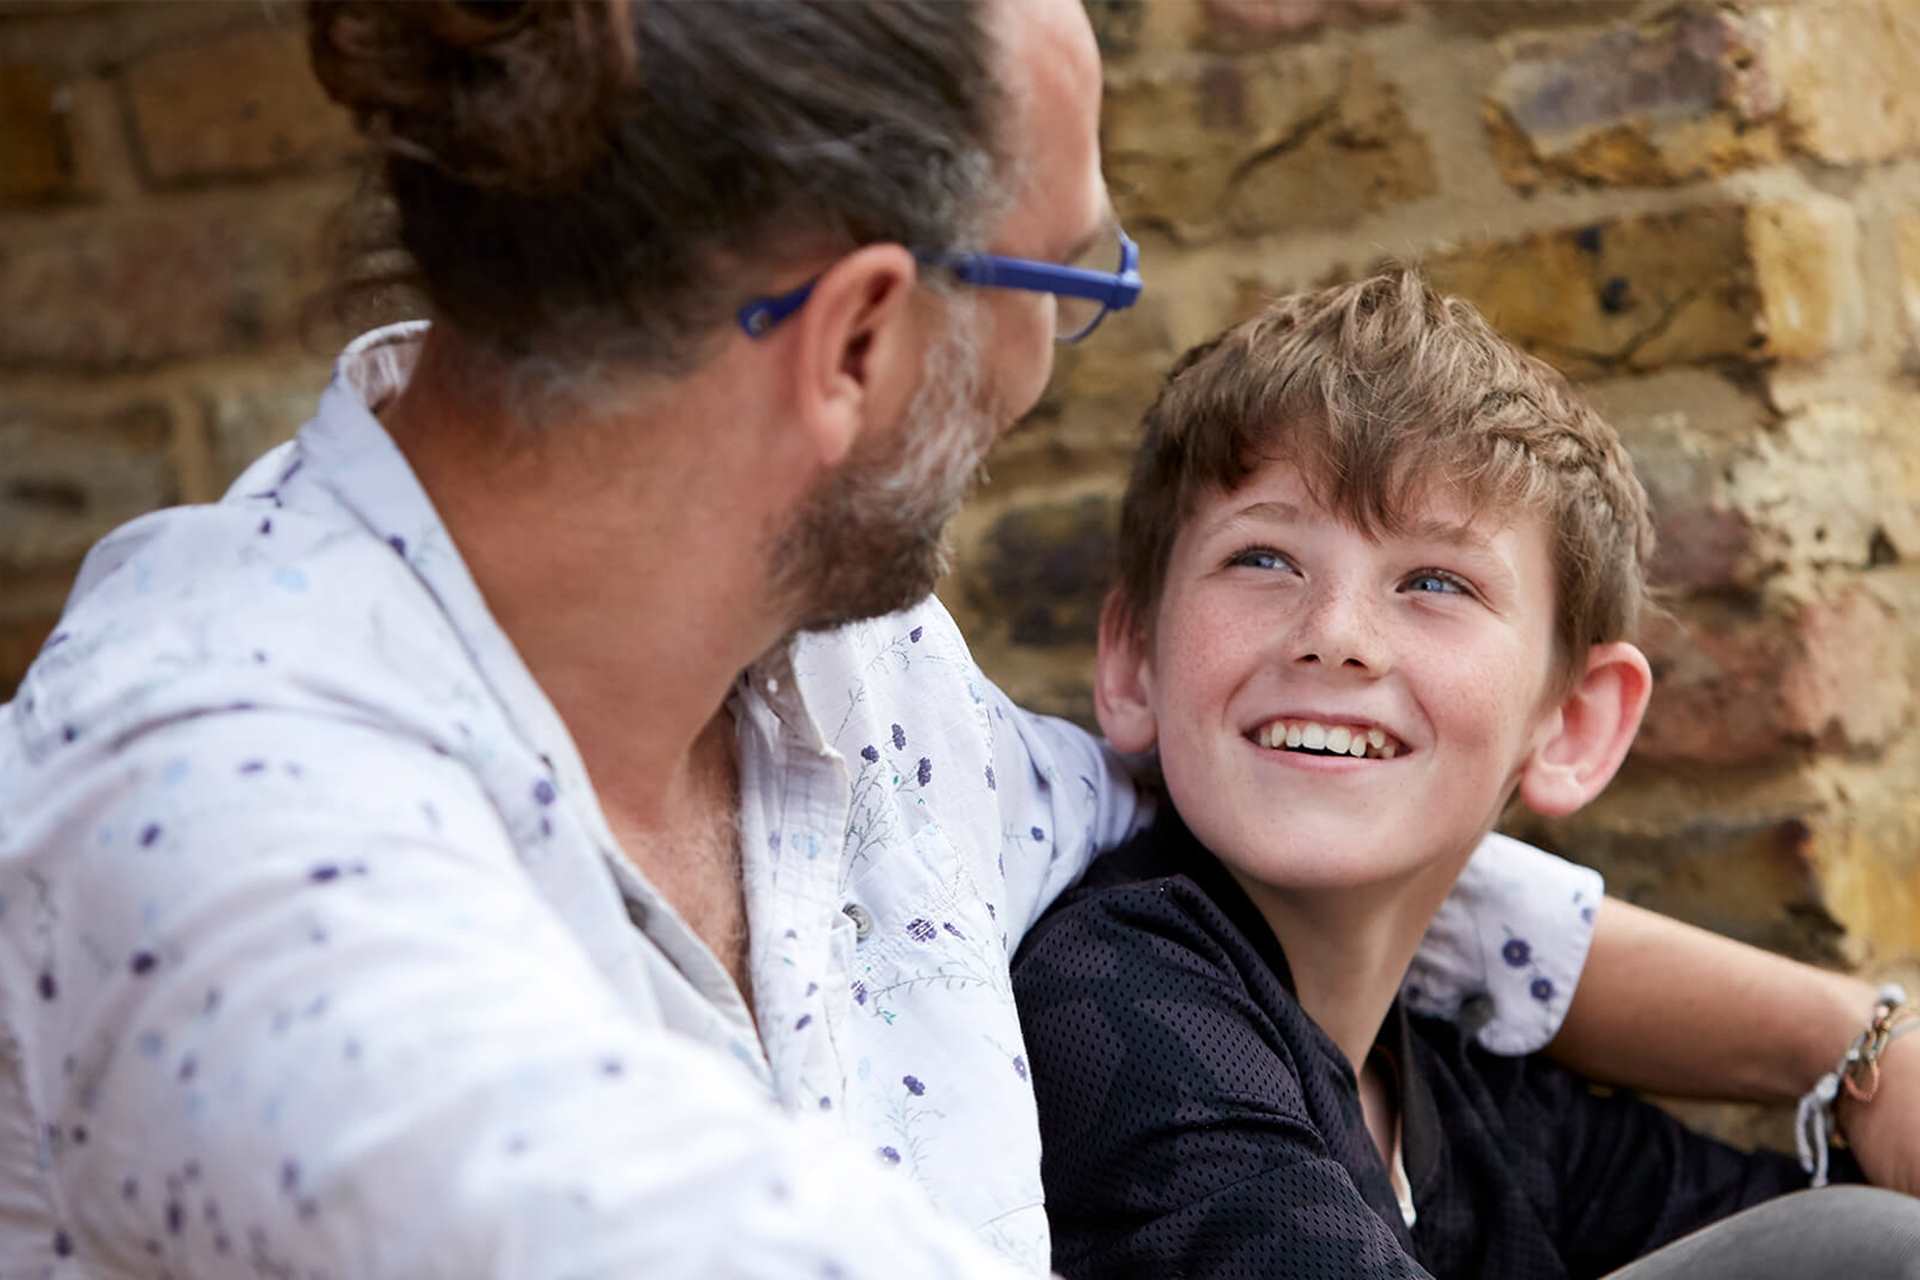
(1493, 17)
(1739, 498)
(1711, 283)
(243, 102)
(1907, 282)
(1128, 27)
(1668, 102)
(1737, 682)
(30, 603)
(1253, 24)
(124, 289)
(1847, 70)
(1252, 145)
(36, 160)
(1748, 877)
(1833, 485)
(1806, 260)
(247, 418)
(1041, 570)
(1819, 859)
(67, 477)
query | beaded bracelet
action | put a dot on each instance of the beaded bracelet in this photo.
(1858, 1072)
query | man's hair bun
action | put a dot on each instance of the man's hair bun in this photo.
(504, 94)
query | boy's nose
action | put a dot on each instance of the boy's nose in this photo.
(1336, 634)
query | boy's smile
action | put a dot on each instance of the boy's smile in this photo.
(1335, 709)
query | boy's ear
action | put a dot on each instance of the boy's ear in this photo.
(1123, 681)
(1582, 742)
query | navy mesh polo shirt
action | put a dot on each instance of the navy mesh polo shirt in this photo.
(1195, 1122)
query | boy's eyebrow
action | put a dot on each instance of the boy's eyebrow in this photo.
(1449, 531)
(1452, 532)
(1272, 510)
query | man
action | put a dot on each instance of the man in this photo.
(434, 857)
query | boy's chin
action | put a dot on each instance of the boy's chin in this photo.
(1338, 857)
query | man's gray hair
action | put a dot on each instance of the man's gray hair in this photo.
(581, 186)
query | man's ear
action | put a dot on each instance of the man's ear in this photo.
(1582, 742)
(1123, 681)
(857, 349)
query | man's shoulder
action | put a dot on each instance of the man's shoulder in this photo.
(196, 610)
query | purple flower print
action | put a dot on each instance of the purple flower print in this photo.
(921, 930)
(925, 773)
(803, 1022)
(948, 926)
(149, 835)
(890, 1155)
(1541, 989)
(1516, 952)
(899, 738)
(859, 993)
(398, 543)
(870, 753)
(143, 962)
(1037, 834)
(543, 791)
(991, 786)
(913, 636)
(1020, 1066)
(914, 1086)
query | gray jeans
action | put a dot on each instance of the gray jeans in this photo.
(1860, 1233)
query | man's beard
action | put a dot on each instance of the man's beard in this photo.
(871, 538)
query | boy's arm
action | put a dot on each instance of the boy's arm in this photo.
(1626, 1178)
(1670, 1008)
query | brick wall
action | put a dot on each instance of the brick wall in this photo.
(1710, 214)
(167, 176)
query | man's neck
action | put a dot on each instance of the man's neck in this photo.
(618, 560)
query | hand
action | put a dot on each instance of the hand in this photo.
(1885, 1133)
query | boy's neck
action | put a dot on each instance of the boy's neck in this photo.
(1348, 949)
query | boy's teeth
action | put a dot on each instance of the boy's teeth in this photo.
(1336, 739)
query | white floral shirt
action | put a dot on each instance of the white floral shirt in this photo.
(318, 959)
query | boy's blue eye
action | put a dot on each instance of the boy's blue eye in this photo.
(1433, 582)
(1260, 558)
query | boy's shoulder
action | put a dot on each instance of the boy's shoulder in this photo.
(1159, 901)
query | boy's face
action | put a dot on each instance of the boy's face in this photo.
(1432, 649)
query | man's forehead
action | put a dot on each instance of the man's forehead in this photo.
(1051, 75)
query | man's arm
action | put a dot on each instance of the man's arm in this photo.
(309, 1007)
(1670, 1008)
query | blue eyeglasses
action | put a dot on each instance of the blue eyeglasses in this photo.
(1084, 296)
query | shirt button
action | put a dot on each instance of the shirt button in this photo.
(862, 920)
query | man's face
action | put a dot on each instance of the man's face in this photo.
(1281, 624)
(872, 539)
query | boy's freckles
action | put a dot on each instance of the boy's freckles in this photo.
(1285, 637)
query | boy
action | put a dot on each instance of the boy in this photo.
(1379, 575)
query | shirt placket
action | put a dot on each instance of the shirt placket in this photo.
(793, 816)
